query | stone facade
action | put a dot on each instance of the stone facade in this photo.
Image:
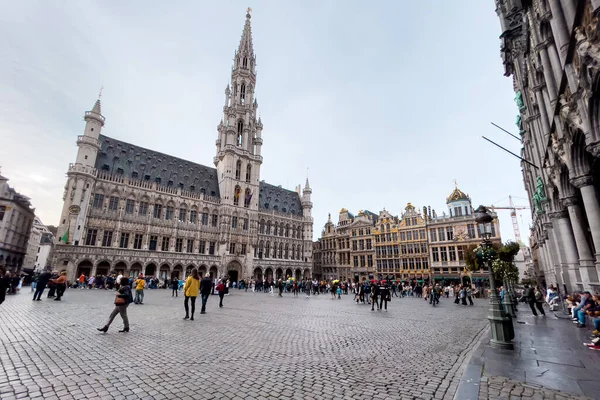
(346, 251)
(16, 219)
(136, 210)
(414, 247)
(551, 49)
(32, 258)
(451, 235)
(401, 246)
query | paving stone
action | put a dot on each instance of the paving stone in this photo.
(255, 347)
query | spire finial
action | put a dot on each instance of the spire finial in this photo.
(248, 11)
(455, 184)
(101, 89)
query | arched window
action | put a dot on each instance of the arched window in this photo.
(267, 249)
(293, 253)
(238, 169)
(240, 134)
(287, 231)
(268, 227)
(248, 173)
(275, 228)
(280, 250)
(261, 226)
(243, 92)
(247, 198)
(287, 251)
(274, 255)
(281, 230)
(245, 62)
(298, 252)
(261, 246)
(236, 195)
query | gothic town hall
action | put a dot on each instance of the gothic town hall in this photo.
(133, 210)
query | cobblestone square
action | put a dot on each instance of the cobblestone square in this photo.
(257, 346)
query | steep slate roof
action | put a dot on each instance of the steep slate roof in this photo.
(276, 198)
(118, 157)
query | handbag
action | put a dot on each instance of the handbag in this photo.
(120, 301)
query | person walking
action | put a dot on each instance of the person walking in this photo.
(61, 285)
(539, 301)
(384, 296)
(140, 284)
(470, 295)
(81, 281)
(463, 296)
(374, 294)
(530, 298)
(43, 280)
(190, 290)
(4, 284)
(122, 300)
(52, 285)
(175, 287)
(221, 289)
(205, 289)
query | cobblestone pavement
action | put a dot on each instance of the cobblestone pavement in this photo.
(257, 346)
(500, 388)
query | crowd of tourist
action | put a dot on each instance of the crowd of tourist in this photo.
(584, 307)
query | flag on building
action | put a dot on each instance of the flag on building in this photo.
(65, 237)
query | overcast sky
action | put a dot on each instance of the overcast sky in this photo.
(384, 102)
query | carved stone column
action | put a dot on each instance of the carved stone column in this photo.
(592, 210)
(557, 256)
(559, 28)
(567, 247)
(548, 74)
(587, 268)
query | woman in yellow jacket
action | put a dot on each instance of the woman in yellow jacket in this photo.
(190, 289)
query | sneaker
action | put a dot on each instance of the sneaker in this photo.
(581, 325)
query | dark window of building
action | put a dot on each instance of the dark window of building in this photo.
(90, 239)
(107, 238)
(124, 241)
(157, 211)
(143, 208)
(129, 206)
(211, 248)
(165, 243)
(98, 200)
(179, 245)
(193, 216)
(169, 213)
(137, 241)
(202, 247)
(153, 242)
(190, 246)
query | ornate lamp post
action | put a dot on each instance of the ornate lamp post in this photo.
(500, 323)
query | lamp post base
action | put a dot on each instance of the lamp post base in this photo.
(501, 325)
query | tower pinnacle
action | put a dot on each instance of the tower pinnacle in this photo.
(245, 48)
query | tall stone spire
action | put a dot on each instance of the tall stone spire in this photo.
(245, 47)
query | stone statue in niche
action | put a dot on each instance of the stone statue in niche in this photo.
(519, 100)
(539, 196)
(519, 124)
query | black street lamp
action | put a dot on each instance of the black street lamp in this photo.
(501, 324)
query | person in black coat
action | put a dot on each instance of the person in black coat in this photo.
(206, 286)
(52, 285)
(4, 284)
(43, 280)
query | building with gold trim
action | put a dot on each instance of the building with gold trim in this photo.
(451, 235)
(346, 251)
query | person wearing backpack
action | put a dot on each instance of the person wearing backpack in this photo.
(539, 300)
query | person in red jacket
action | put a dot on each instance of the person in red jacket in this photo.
(221, 289)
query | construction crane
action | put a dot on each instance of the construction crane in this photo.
(513, 215)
